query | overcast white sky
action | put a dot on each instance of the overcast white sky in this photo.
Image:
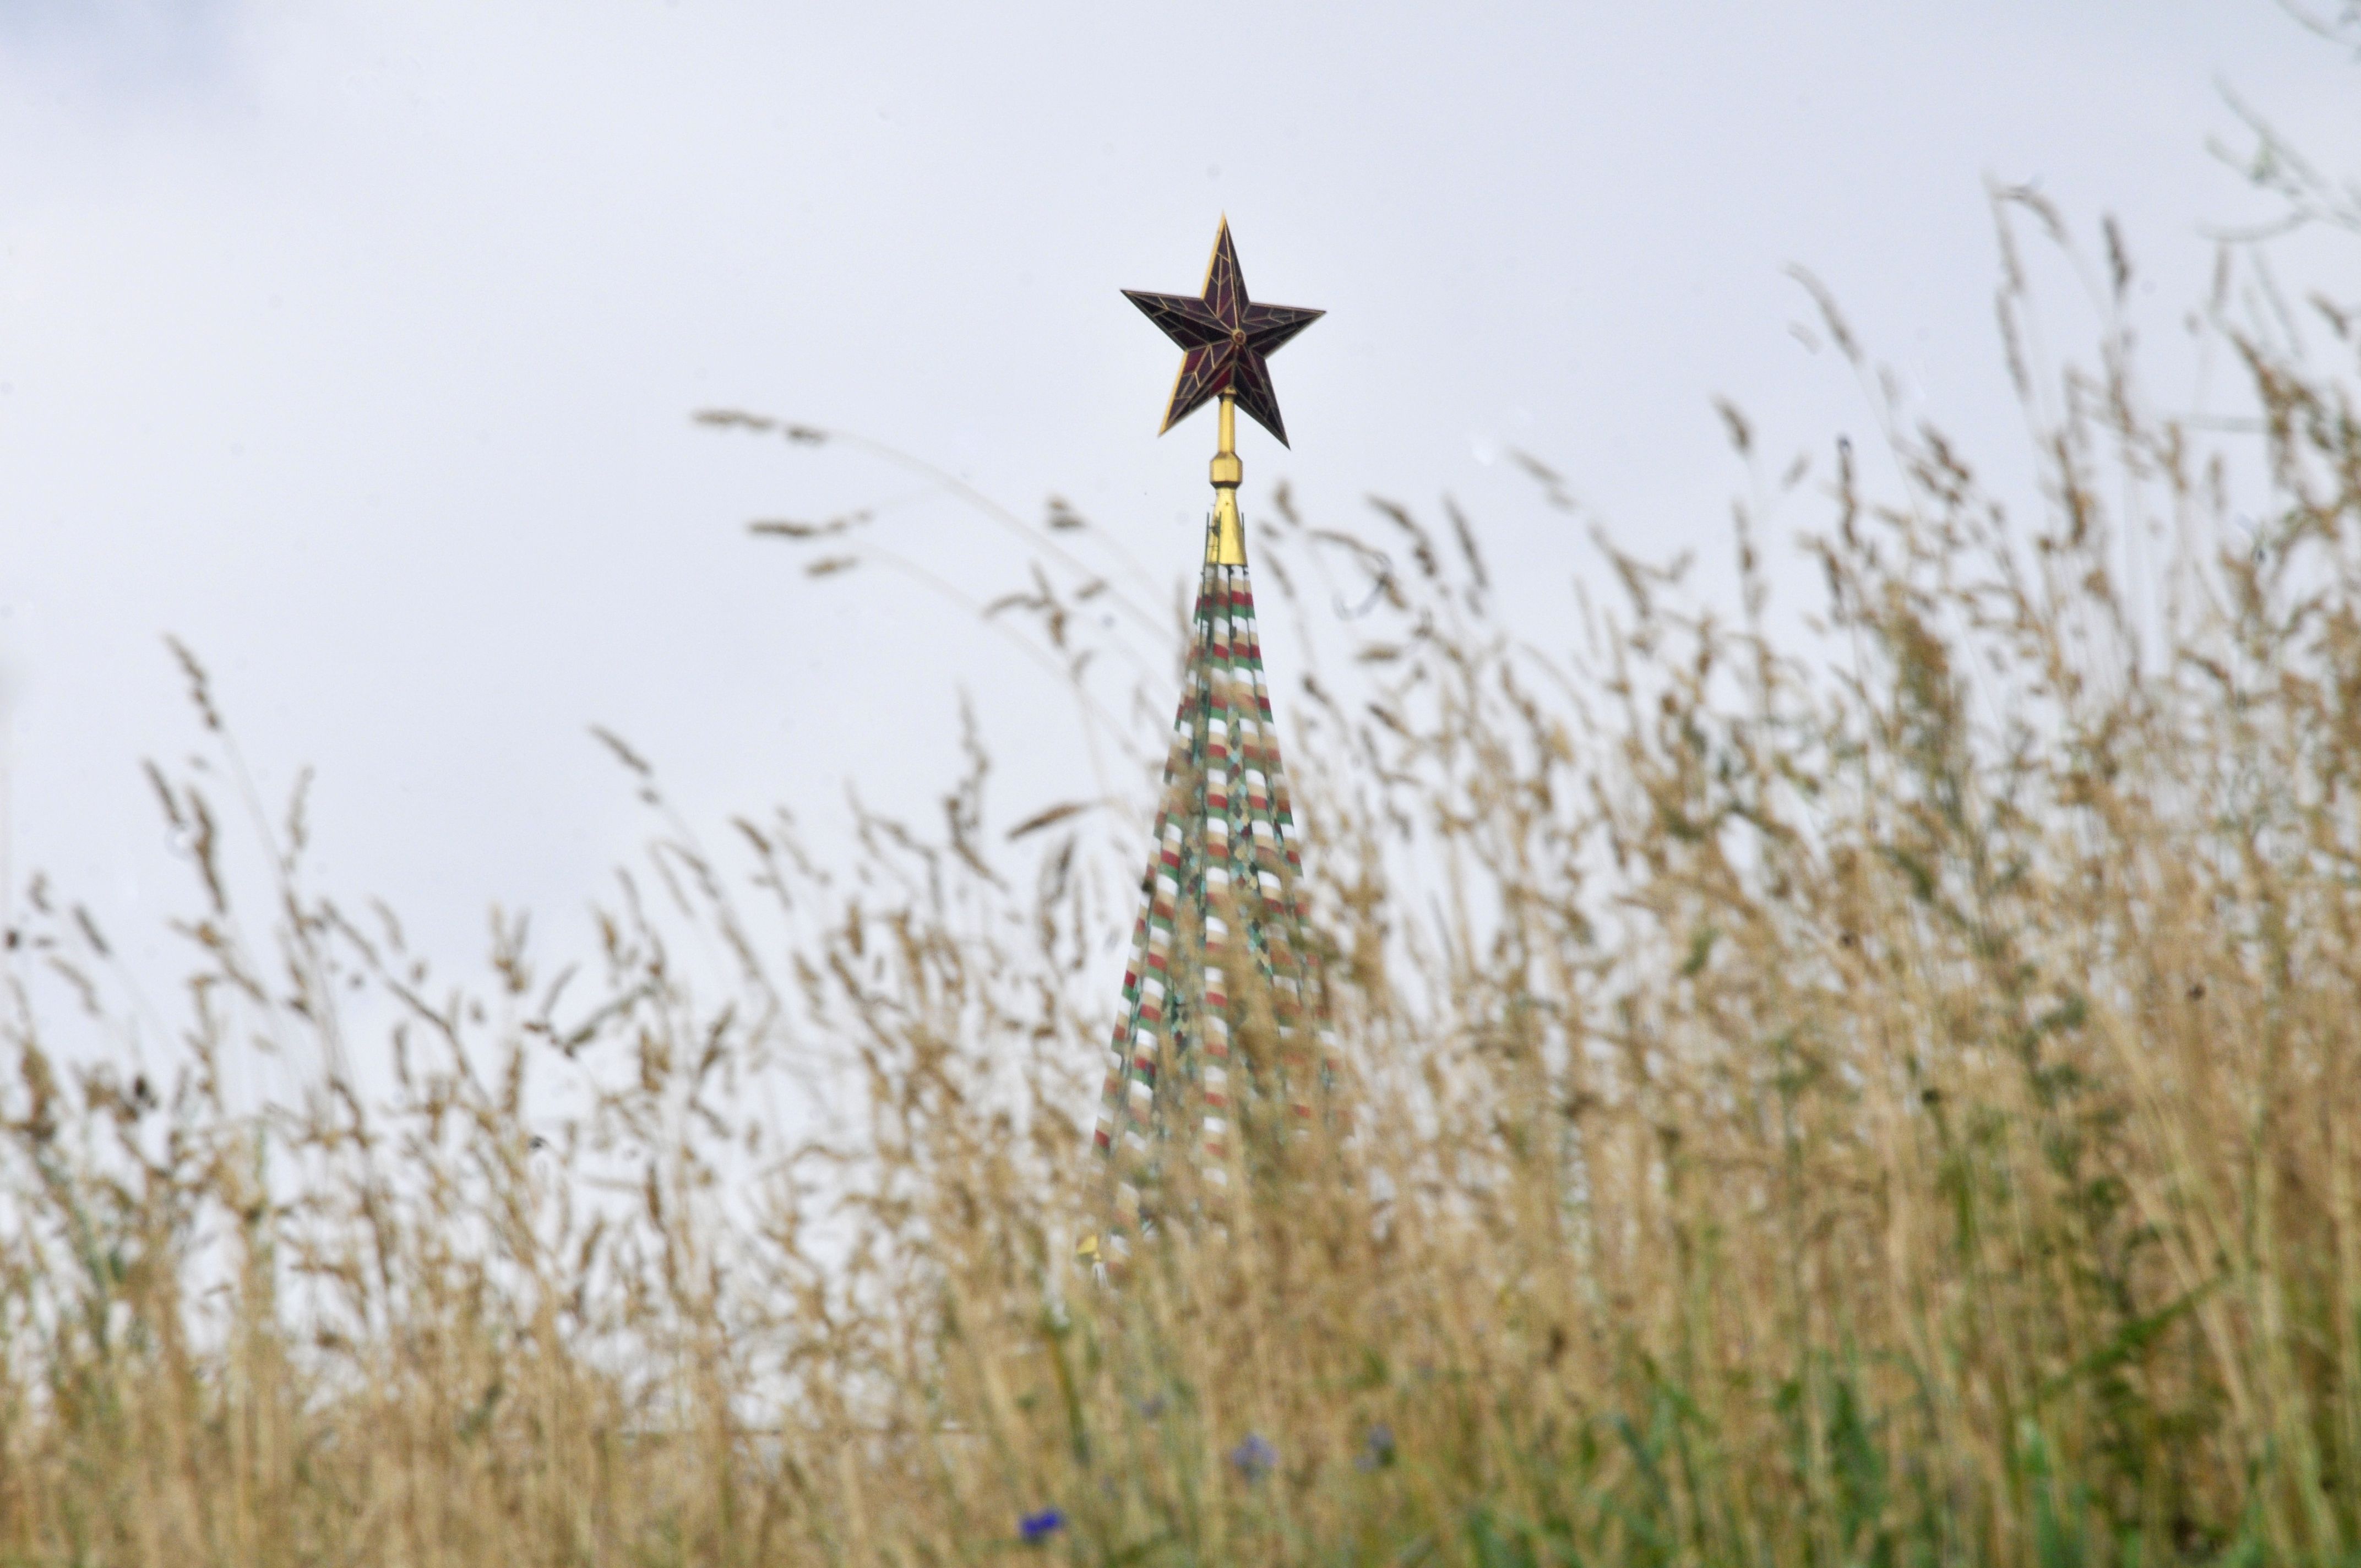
(356, 345)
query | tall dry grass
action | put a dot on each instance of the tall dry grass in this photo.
(1894, 1098)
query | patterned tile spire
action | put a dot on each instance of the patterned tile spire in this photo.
(1221, 1035)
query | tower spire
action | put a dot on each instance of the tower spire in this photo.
(1222, 1027)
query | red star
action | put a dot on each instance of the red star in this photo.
(1226, 336)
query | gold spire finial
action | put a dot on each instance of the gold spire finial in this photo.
(1226, 540)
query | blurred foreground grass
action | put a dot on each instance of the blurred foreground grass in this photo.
(1895, 1098)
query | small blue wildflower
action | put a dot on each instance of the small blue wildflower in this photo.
(1152, 1407)
(1041, 1525)
(1377, 1450)
(1254, 1457)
